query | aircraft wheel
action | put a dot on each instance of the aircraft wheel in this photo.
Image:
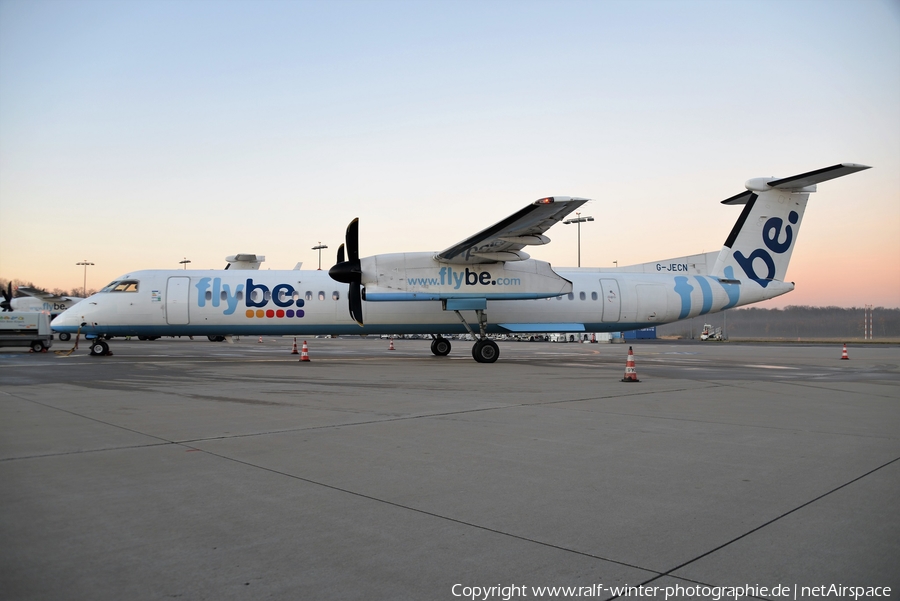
(440, 346)
(485, 351)
(65, 337)
(99, 347)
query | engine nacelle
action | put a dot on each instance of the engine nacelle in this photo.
(417, 277)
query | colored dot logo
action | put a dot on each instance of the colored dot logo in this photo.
(274, 314)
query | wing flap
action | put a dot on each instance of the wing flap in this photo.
(47, 297)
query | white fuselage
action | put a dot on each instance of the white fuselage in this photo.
(301, 303)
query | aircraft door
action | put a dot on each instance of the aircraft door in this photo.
(652, 303)
(612, 302)
(177, 290)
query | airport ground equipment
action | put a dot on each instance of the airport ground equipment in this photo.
(21, 328)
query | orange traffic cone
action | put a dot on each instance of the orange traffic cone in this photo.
(304, 354)
(630, 373)
(844, 354)
(294, 349)
(391, 347)
(260, 339)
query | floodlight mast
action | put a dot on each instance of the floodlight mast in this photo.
(579, 220)
(84, 283)
(319, 248)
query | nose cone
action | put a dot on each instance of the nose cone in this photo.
(68, 320)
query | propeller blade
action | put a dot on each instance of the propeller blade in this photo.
(353, 240)
(349, 271)
(7, 297)
(355, 303)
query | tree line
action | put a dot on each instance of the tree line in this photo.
(792, 322)
(4, 282)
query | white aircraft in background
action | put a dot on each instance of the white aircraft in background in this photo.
(37, 301)
(485, 282)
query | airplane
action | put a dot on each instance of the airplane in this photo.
(485, 284)
(38, 300)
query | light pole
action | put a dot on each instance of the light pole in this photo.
(579, 220)
(185, 262)
(84, 283)
(319, 248)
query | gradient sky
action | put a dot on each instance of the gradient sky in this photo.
(134, 134)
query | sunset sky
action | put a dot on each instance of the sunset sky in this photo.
(134, 134)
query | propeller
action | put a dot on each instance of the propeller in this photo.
(7, 297)
(350, 271)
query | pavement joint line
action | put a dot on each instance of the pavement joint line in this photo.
(431, 514)
(765, 524)
(94, 419)
(405, 418)
(84, 451)
(742, 384)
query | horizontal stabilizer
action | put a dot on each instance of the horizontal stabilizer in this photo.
(818, 176)
(794, 182)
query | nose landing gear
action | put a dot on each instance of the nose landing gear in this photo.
(100, 348)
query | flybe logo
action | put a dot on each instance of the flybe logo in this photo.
(255, 298)
(448, 277)
(770, 234)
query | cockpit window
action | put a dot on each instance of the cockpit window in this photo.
(122, 286)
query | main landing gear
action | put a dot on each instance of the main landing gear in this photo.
(440, 346)
(485, 350)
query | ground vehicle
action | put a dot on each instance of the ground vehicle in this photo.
(26, 328)
(710, 333)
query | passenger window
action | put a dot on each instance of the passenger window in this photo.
(267, 295)
(581, 296)
(208, 295)
(321, 295)
(593, 296)
(309, 295)
(335, 295)
(296, 295)
(256, 295)
(223, 296)
(571, 296)
(239, 295)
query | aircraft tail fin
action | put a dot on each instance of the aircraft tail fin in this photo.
(760, 244)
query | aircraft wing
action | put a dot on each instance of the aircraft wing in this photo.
(504, 240)
(47, 297)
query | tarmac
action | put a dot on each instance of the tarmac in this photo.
(198, 470)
